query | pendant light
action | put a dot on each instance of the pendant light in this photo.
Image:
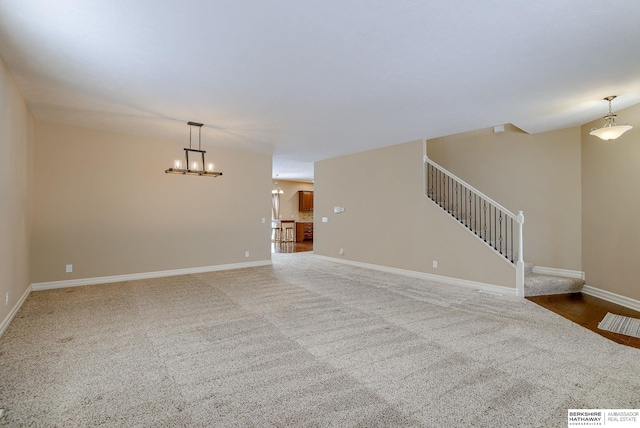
(277, 190)
(610, 131)
(193, 166)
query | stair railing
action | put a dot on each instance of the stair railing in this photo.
(488, 220)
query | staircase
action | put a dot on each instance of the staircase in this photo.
(498, 227)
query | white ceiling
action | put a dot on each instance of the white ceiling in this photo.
(309, 80)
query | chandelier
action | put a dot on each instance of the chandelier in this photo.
(277, 190)
(193, 166)
(610, 131)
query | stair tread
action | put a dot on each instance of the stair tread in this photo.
(537, 284)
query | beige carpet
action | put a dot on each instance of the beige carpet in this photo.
(305, 342)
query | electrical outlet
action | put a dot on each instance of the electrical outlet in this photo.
(69, 268)
(6, 300)
(246, 254)
(341, 252)
(435, 264)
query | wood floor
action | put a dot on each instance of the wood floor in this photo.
(580, 308)
(291, 247)
(588, 311)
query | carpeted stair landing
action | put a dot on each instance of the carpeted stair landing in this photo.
(537, 284)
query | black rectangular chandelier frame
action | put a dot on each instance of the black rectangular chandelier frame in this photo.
(200, 172)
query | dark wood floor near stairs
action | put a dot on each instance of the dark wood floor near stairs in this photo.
(588, 311)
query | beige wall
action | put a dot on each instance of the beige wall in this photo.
(538, 174)
(388, 221)
(289, 200)
(610, 207)
(104, 204)
(17, 138)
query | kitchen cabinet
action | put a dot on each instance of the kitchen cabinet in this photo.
(304, 231)
(305, 200)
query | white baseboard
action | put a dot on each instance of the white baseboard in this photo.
(7, 320)
(492, 288)
(145, 275)
(558, 272)
(612, 297)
